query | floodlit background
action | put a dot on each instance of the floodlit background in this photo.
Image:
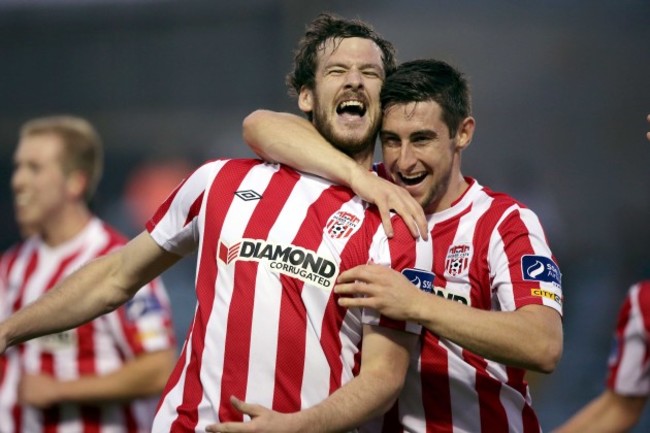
(561, 90)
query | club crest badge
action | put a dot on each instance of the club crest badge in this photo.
(342, 224)
(458, 258)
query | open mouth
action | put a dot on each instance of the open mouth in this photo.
(353, 107)
(411, 180)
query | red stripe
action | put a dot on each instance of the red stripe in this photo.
(8, 258)
(529, 420)
(402, 254)
(32, 263)
(434, 378)
(164, 207)
(240, 311)
(492, 413)
(195, 208)
(291, 346)
(51, 415)
(623, 319)
(329, 202)
(16, 415)
(175, 375)
(516, 246)
(218, 202)
(436, 397)
(644, 302)
(479, 270)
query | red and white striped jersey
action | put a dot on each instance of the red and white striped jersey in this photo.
(271, 243)
(629, 362)
(489, 252)
(102, 346)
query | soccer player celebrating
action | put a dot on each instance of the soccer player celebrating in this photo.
(271, 243)
(495, 310)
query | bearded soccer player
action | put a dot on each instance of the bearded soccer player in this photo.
(271, 243)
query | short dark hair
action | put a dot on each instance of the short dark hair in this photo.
(430, 80)
(323, 28)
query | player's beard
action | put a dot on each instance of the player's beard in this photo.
(350, 145)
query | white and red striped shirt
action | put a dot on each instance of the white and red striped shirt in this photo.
(490, 252)
(267, 329)
(629, 362)
(102, 346)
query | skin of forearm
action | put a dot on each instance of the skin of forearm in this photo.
(372, 392)
(526, 338)
(293, 140)
(607, 413)
(373, 396)
(67, 307)
(144, 376)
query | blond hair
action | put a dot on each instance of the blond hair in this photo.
(82, 146)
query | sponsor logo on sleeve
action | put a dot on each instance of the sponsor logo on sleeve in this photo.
(423, 280)
(540, 268)
(546, 294)
(141, 305)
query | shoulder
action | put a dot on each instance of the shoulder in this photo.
(642, 289)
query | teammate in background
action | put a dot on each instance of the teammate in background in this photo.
(108, 372)
(495, 310)
(271, 243)
(619, 407)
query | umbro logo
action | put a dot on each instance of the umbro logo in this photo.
(248, 195)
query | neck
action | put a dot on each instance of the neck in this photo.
(365, 159)
(65, 226)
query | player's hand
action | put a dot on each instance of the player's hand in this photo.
(648, 133)
(263, 420)
(387, 196)
(381, 288)
(38, 390)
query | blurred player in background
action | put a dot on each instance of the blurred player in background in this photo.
(109, 372)
(627, 386)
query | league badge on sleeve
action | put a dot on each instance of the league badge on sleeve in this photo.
(540, 268)
(423, 280)
(141, 305)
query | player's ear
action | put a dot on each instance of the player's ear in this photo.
(76, 183)
(465, 133)
(306, 99)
